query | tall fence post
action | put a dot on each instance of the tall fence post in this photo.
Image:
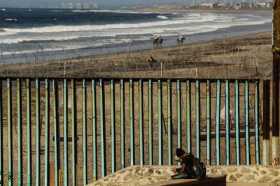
(275, 81)
(56, 132)
(19, 121)
(74, 133)
(10, 134)
(150, 113)
(38, 132)
(160, 137)
(47, 130)
(85, 132)
(266, 122)
(122, 118)
(1, 134)
(65, 130)
(113, 128)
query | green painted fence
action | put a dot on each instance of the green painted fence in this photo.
(75, 131)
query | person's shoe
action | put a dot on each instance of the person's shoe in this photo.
(180, 176)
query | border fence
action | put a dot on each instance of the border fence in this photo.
(75, 131)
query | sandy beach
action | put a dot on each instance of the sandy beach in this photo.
(235, 57)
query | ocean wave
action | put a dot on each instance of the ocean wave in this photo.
(26, 40)
(162, 17)
(67, 48)
(187, 25)
(11, 19)
(111, 11)
(79, 28)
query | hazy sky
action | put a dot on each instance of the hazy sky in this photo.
(51, 3)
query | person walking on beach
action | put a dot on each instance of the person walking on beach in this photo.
(180, 40)
(157, 41)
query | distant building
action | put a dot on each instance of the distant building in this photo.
(70, 6)
(89, 6)
(78, 6)
(219, 5)
(246, 5)
(206, 5)
(93, 6)
(261, 4)
(269, 5)
(237, 6)
(264, 4)
(83, 6)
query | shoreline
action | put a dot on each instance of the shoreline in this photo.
(135, 46)
(170, 41)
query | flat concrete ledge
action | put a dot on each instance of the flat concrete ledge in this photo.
(217, 181)
(247, 174)
(252, 184)
(235, 175)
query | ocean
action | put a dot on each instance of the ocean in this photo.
(36, 35)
